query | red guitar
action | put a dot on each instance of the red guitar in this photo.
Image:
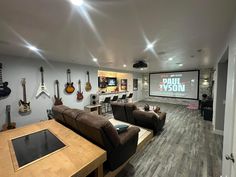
(79, 93)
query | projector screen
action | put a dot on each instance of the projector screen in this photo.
(181, 84)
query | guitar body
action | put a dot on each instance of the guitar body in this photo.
(88, 86)
(57, 100)
(80, 95)
(4, 90)
(24, 107)
(69, 88)
(12, 125)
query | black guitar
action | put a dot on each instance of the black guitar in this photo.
(4, 90)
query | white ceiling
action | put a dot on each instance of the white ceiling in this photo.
(114, 31)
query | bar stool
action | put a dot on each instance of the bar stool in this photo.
(105, 104)
(115, 98)
(129, 97)
(122, 99)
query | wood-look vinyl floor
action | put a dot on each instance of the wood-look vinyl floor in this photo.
(186, 148)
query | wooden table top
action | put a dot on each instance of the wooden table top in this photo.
(79, 158)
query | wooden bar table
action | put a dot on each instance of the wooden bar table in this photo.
(78, 158)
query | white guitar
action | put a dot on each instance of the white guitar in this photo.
(42, 88)
(24, 105)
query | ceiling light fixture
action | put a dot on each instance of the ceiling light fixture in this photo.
(141, 69)
(124, 65)
(180, 64)
(95, 59)
(33, 48)
(170, 59)
(77, 2)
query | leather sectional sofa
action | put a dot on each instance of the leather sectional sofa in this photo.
(99, 130)
(128, 112)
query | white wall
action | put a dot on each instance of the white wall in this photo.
(138, 94)
(14, 69)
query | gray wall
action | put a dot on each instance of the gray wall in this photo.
(14, 69)
(221, 95)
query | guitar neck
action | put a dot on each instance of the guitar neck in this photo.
(42, 79)
(8, 118)
(88, 77)
(68, 78)
(24, 94)
(58, 94)
(1, 76)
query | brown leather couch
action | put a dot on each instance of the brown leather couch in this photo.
(128, 112)
(99, 130)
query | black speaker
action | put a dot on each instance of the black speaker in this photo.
(94, 99)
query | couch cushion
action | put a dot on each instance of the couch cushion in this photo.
(70, 116)
(99, 130)
(118, 110)
(129, 108)
(58, 112)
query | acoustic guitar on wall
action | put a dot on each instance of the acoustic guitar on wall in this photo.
(4, 90)
(57, 97)
(24, 105)
(88, 85)
(42, 87)
(79, 92)
(69, 85)
(8, 125)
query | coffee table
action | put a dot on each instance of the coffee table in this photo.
(78, 157)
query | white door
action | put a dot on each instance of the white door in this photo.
(229, 146)
(233, 165)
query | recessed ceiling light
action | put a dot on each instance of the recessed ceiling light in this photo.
(170, 59)
(141, 69)
(95, 59)
(33, 48)
(180, 64)
(77, 2)
(124, 65)
(150, 46)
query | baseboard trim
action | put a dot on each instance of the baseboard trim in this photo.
(218, 132)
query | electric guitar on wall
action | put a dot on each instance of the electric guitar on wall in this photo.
(79, 93)
(88, 85)
(24, 105)
(42, 88)
(57, 98)
(4, 90)
(69, 85)
(9, 125)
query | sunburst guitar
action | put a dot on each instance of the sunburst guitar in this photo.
(69, 85)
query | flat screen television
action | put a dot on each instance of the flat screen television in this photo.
(111, 81)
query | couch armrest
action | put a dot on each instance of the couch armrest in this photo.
(145, 119)
(129, 134)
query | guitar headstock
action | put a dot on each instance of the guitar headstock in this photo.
(68, 71)
(57, 82)
(79, 82)
(41, 69)
(88, 73)
(23, 82)
(8, 108)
